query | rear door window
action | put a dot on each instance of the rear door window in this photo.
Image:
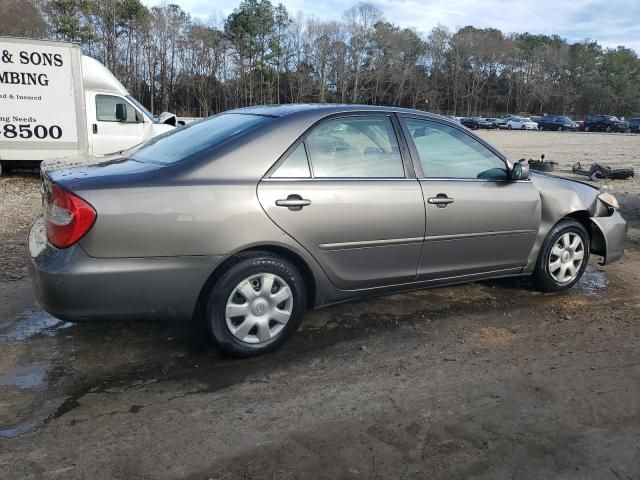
(355, 147)
(295, 165)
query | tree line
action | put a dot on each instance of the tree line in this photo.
(262, 54)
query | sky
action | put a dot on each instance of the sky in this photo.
(610, 22)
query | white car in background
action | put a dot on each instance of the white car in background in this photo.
(521, 123)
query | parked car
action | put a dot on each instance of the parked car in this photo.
(634, 125)
(494, 122)
(604, 123)
(475, 123)
(521, 123)
(502, 121)
(250, 217)
(557, 122)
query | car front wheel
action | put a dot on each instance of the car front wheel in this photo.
(256, 304)
(563, 257)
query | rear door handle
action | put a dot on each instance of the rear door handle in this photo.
(95, 128)
(441, 200)
(293, 202)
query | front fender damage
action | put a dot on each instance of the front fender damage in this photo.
(609, 234)
(561, 198)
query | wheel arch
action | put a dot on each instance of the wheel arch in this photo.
(597, 242)
(287, 253)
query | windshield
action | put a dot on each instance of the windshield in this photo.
(153, 118)
(196, 138)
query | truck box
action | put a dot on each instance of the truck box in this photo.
(57, 103)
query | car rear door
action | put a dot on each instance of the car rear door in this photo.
(347, 193)
(478, 221)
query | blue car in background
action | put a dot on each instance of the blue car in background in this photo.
(634, 125)
(557, 122)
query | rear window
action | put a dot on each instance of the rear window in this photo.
(196, 138)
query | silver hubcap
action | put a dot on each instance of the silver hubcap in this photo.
(259, 308)
(566, 258)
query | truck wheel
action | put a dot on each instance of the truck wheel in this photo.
(563, 257)
(256, 304)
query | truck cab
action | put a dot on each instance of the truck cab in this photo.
(115, 120)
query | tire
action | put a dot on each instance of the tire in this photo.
(608, 129)
(560, 128)
(523, 127)
(548, 279)
(249, 269)
(508, 127)
(587, 128)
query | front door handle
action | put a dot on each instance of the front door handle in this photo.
(441, 200)
(293, 202)
(95, 128)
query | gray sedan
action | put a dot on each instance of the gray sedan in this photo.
(253, 216)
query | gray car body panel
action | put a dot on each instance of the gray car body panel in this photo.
(163, 230)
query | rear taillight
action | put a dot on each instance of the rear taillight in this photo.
(68, 217)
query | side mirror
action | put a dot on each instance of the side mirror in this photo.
(121, 112)
(520, 171)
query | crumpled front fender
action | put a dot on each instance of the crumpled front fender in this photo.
(609, 234)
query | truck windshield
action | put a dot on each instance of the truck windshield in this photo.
(153, 117)
(182, 143)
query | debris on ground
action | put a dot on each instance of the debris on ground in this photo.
(599, 171)
(541, 165)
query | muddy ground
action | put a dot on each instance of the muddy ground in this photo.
(489, 380)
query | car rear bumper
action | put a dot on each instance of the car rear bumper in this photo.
(73, 286)
(614, 234)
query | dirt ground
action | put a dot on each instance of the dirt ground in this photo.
(490, 380)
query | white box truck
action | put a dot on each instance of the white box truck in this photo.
(57, 103)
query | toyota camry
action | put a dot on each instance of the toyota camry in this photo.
(251, 217)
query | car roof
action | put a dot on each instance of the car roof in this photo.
(324, 109)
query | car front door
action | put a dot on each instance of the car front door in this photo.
(108, 133)
(478, 221)
(347, 194)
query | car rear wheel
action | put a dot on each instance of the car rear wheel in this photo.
(563, 257)
(256, 304)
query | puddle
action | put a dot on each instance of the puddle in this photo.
(20, 429)
(592, 282)
(32, 323)
(29, 377)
